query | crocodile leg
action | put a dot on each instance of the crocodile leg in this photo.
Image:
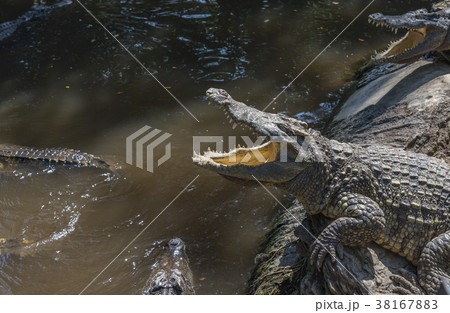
(407, 283)
(362, 222)
(445, 287)
(433, 262)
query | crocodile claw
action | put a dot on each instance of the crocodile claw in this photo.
(320, 248)
(406, 283)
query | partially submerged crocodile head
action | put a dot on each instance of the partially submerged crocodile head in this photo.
(170, 273)
(427, 31)
(288, 147)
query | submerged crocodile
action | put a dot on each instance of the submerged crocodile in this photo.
(14, 155)
(427, 31)
(64, 156)
(170, 273)
(398, 199)
(8, 28)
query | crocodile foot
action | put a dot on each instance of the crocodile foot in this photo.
(325, 245)
(433, 262)
(407, 283)
(362, 224)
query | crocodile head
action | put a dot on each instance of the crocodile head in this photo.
(170, 274)
(425, 32)
(287, 146)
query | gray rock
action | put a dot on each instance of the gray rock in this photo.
(408, 108)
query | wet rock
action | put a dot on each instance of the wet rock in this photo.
(408, 108)
(283, 260)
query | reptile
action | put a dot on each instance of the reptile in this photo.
(395, 198)
(63, 156)
(170, 274)
(426, 32)
(37, 10)
(14, 155)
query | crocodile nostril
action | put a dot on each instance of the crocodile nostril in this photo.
(175, 242)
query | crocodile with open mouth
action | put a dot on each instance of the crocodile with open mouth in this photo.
(426, 31)
(397, 199)
(170, 274)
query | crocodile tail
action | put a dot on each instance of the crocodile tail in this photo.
(52, 155)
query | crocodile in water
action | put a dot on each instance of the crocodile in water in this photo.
(170, 274)
(64, 156)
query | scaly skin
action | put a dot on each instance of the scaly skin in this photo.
(170, 273)
(52, 155)
(398, 199)
(427, 31)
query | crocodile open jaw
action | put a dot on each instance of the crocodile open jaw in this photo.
(266, 152)
(424, 34)
(411, 40)
(249, 156)
(265, 155)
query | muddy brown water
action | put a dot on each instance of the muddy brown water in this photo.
(65, 83)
